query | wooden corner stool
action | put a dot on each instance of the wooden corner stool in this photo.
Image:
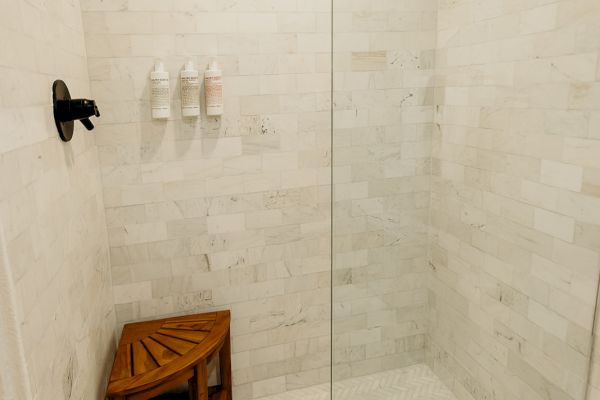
(155, 356)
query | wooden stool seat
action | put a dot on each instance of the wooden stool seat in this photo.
(155, 356)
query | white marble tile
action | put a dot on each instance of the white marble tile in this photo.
(510, 153)
(417, 382)
(51, 210)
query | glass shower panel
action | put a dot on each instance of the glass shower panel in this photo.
(466, 218)
(465, 199)
(383, 56)
(515, 217)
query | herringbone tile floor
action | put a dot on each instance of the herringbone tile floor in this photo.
(417, 382)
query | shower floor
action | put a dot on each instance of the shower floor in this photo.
(416, 382)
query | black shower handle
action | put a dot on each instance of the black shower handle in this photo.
(87, 123)
(77, 109)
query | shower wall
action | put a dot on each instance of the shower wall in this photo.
(594, 384)
(51, 210)
(516, 197)
(232, 212)
(383, 113)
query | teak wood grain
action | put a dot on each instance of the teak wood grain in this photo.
(154, 356)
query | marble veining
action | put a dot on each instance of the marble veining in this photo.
(416, 382)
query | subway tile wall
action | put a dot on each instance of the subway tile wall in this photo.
(51, 207)
(220, 213)
(383, 119)
(235, 212)
(515, 200)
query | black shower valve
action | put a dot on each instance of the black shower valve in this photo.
(67, 110)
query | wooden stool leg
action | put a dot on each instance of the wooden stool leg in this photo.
(192, 387)
(201, 381)
(225, 366)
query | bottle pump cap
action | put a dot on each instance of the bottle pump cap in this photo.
(159, 67)
(214, 65)
(189, 66)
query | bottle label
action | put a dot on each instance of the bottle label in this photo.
(160, 93)
(214, 91)
(190, 92)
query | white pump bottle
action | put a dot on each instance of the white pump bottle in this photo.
(190, 91)
(213, 87)
(160, 93)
